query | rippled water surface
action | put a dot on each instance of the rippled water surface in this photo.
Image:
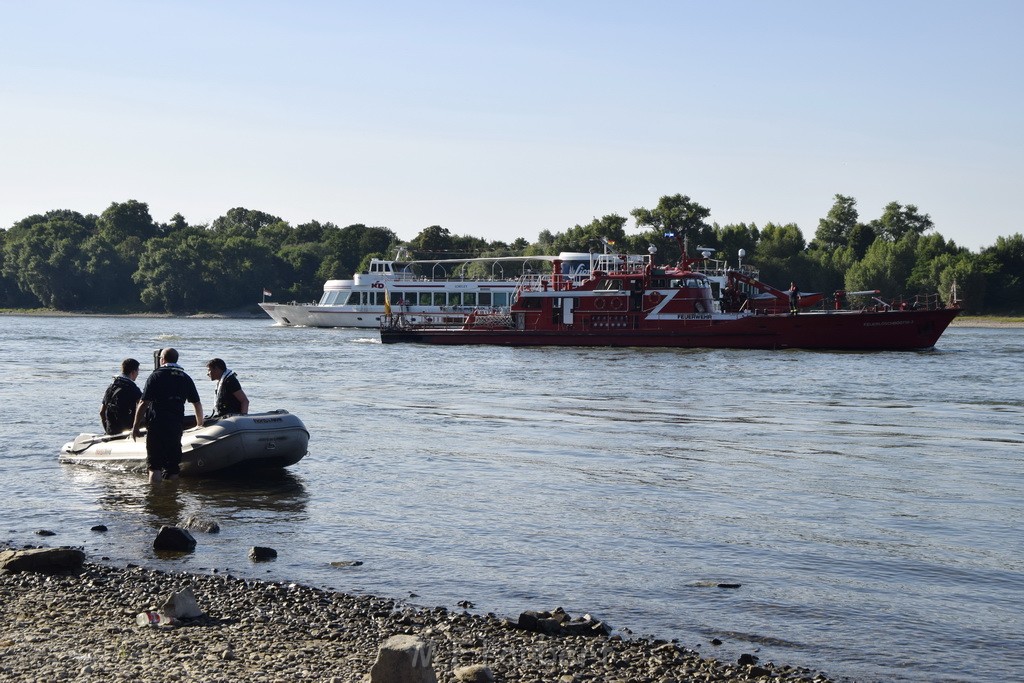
(870, 505)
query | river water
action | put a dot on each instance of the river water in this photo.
(870, 505)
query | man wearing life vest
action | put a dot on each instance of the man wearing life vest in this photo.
(231, 400)
(167, 390)
(117, 411)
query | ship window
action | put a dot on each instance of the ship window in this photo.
(455, 298)
(610, 285)
(469, 298)
(484, 299)
(530, 302)
(424, 298)
(499, 299)
(439, 298)
(378, 299)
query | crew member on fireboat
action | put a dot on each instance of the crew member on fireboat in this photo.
(794, 299)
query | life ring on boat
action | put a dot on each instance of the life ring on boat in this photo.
(429, 320)
(655, 297)
(599, 303)
(616, 303)
(699, 307)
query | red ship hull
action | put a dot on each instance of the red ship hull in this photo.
(893, 330)
(626, 301)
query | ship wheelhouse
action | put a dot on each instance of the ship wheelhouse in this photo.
(618, 300)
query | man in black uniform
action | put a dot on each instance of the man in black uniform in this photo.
(117, 412)
(163, 402)
(231, 400)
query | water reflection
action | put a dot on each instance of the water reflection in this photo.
(272, 491)
(163, 505)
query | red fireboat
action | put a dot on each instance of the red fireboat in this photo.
(625, 300)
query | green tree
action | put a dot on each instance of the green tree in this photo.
(860, 238)
(886, 267)
(593, 236)
(172, 274)
(42, 256)
(1004, 291)
(241, 267)
(109, 282)
(344, 249)
(932, 255)
(433, 242)
(964, 281)
(241, 222)
(779, 255)
(126, 227)
(828, 270)
(277, 235)
(122, 221)
(675, 215)
(836, 228)
(731, 238)
(296, 276)
(898, 221)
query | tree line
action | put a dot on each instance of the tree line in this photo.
(124, 261)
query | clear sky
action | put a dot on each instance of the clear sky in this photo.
(502, 119)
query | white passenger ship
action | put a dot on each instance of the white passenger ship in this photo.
(428, 292)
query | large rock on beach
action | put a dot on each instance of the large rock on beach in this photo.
(259, 553)
(174, 539)
(475, 673)
(206, 526)
(182, 605)
(403, 659)
(559, 623)
(43, 560)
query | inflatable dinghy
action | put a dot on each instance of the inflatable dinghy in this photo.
(235, 443)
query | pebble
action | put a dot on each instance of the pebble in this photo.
(270, 631)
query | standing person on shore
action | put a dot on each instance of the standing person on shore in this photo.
(231, 400)
(163, 400)
(117, 411)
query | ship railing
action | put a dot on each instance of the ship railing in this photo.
(400, 321)
(546, 282)
(405, 276)
(720, 268)
(871, 300)
(489, 320)
(620, 263)
(927, 302)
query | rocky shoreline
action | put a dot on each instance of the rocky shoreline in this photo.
(81, 625)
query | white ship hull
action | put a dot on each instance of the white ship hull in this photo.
(313, 315)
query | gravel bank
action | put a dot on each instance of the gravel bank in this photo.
(82, 627)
